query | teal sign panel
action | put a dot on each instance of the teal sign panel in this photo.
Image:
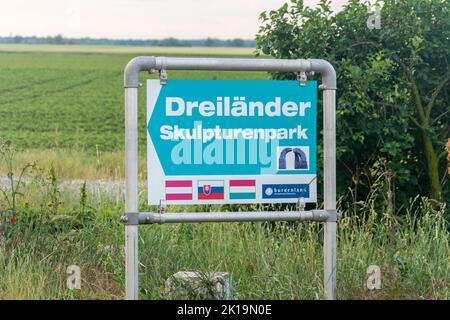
(231, 141)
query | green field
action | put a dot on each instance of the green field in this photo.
(62, 98)
(185, 51)
(62, 106)
(71, 98)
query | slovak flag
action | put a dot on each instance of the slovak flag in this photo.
(210, 189)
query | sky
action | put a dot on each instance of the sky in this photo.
(137, 19)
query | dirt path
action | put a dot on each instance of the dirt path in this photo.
(95, 187)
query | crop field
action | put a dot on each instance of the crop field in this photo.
(68, 99)
(62, 107)
(71, 97)
(173, 51)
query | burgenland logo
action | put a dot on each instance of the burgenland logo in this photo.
(283, 191)
(268, 192)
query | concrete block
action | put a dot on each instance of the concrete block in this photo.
(197, 285)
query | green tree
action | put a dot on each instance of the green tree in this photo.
(393, 83)
(209, 42)
(237, 42)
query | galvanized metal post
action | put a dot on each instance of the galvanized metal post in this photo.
(131, 191)
(329, 150)
(131, 84)
(329, 167)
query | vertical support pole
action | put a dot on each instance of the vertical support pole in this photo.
(329, 164)
(131, 192)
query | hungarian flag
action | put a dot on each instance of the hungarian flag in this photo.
(242, 189)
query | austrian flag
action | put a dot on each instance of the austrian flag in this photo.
(210, 189)
(178, 190)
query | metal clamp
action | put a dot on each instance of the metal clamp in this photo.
(163, 72)
(302, 78)
(163, 76)
(162, 208)
(130, 218)
(324, 87)
(301, 204)
(332, 215)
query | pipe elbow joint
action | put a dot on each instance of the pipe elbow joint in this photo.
(327, 71)
(134, 67)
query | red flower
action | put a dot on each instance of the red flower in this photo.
(12, 219)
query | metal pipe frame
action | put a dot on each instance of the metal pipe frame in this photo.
(328, 215)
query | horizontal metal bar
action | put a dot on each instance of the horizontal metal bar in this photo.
(248, 216)
(248, 64)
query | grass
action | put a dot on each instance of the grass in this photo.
(77, 164)
(266, 260)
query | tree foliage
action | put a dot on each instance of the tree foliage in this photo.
(393, 84)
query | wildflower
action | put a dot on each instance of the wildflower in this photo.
(12, 219)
